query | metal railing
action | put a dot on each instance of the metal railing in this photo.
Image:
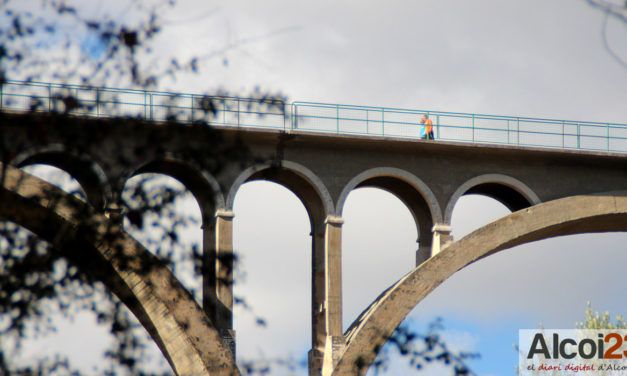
(158, 106)
(310, 116)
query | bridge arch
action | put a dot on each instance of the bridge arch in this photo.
(185, 335)
(300, 180)
(511, 192)
(80, 166)
(567, 216)
(202, 185)
(318, 203)
(412, 191)
(384, 178)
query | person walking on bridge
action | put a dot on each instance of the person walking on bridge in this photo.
(427, 127)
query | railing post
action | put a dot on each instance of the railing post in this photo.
(49, 97)
(238, 110)
(383, 121)
(508, 142)
(337, 119)
(563, 135)
(607, 137)
(473, 127)
(223, 111)
(192, 99)
(437, 126)
(367, 122)
(97, 102)
(151, 107)
(517, 131)
(1, 97)
(578, 136)
(294, 116)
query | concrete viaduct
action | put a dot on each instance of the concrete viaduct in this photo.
(551, 192)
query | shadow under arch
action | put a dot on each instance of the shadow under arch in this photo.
(412, 191)
(605, 212)
(91, 177)
(185, 335)
(203, 186)
(511, 192)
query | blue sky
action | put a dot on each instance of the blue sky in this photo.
(494, 343)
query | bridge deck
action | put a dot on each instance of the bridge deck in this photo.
(315, 117)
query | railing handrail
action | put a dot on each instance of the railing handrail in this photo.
(346, 119)
(463, 114)
(136, 91)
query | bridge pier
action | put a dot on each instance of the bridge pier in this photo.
(328, 337)
(218, 274)
(441, 237)
(334, 344)
(424, 251)
(115, 213)
(318, 307)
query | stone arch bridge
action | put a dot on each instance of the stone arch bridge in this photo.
(551, 192)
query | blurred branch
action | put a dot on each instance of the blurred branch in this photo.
(612, 8)
(616, 10)
(607, 45)
(424, 349)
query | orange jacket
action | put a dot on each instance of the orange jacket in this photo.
(428, 126)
